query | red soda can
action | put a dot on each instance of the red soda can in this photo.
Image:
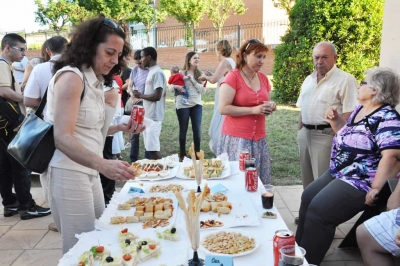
(137, 114)
(243, 155)
(251, 179)
(282, 238)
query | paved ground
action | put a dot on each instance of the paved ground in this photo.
(29, 242)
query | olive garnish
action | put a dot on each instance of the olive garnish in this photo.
(144, 243)
(173, 230)
(109, 259)
(128, 241)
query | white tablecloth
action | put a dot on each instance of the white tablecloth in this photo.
(265, 231)
(235, 183)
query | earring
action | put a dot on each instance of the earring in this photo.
(245, 60)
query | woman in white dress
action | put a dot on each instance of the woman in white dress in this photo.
(226, 64)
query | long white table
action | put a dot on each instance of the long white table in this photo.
(235, 183)
(265, 231)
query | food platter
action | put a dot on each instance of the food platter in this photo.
(257, 241)
(163, 169)
(225, 172)
(110, 241)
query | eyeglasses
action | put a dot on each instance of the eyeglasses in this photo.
(18, 48)
(363, 83)
(252, 41)
(109, 23)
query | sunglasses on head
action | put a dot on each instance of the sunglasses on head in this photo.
(109, 23)
(252, 41)
(363, 83)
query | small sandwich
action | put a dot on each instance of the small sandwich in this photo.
(86, 259)
(117, 220)
(99, 252)
(148, 249)
(169, 234)
(124, 206)
(129, 259)
(206, 206)
(124, 234)
(111, 261)
(131, 219)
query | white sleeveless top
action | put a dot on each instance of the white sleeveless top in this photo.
(90, 121)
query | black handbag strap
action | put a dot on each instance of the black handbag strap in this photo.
(43, 102)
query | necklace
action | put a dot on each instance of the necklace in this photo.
(250, 79)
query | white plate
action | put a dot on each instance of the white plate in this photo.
(103, 223)
(256, 239)
(225, 173)
(172, 173)
(109, 240)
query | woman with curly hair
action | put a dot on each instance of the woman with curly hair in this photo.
(77, 107)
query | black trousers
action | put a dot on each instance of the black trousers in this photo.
(325, 203)
(12, 173)
(107, 184)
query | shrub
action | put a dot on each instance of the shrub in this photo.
(354, 26)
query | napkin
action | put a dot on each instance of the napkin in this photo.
(135, 190)
(219, 188)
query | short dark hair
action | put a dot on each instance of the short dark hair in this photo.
(136, 55)
(82, 48)
(57, 44)
(150, 51)
(11, 39)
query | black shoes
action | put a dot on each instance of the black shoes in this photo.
(11, 210)
(35, 211)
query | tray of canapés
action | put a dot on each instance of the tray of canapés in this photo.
(155, 170)
(212, 169)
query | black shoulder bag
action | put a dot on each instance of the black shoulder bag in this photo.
(33, 146)
(10, 113)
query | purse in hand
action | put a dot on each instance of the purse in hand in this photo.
(33, 146)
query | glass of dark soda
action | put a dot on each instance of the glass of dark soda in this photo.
(267, 196)
(292, 256)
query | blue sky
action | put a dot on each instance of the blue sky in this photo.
(18, 15)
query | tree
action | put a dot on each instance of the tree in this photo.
(188, 12)
(123, 11)
(284, 4)
(354, 26)
(219, 10)
(55, 14)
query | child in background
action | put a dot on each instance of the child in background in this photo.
(177, 78)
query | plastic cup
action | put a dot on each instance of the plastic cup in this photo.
(292, 256)
(267, 196)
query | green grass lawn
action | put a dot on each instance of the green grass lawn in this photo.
(281, 135)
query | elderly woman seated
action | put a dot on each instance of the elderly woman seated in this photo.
(365, 153)
(379, 238)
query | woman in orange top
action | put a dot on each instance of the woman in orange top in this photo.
(242, 96)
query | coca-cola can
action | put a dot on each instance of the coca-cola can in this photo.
(251, 179)
(137, 114)
(282, 238)
(243, 155)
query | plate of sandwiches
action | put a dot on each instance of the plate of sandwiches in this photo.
(212, 169)
(124, 248)
(137, 212)
(155, 170)
(230, 242)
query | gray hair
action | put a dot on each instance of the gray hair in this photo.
(333, 47)
(387, 84)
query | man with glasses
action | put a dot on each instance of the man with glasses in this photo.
(327, 87)
(12, 173)
(153, 102)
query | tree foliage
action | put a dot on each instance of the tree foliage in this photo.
(56, 14)
(284, 4)
(354, 26)
(219, 10)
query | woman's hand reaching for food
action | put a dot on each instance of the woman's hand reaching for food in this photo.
(116, 170)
